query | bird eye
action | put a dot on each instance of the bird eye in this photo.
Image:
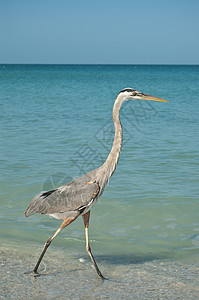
(134, 93)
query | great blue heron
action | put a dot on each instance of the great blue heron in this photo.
(76, 198)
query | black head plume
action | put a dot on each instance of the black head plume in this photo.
(129, 90)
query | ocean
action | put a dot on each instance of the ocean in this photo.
(56, 125)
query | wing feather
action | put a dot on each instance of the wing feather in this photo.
(74, 196)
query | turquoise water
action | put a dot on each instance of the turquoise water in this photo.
(56, 124)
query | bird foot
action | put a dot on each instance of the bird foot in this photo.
(35, 273)
(101, 276)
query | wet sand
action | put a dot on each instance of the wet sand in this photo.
(71, 276)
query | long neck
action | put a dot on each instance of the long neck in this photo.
(110, 164)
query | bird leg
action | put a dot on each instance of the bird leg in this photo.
(47, 244)
(88, 248)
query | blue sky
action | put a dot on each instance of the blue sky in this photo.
(99, 32)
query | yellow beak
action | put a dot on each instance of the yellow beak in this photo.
(149, 97)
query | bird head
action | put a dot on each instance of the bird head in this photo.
(131, 94)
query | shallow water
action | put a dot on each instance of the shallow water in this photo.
(63, 275)
(56, 125)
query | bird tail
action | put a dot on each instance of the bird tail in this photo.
(33, 205)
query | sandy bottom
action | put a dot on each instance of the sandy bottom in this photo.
(69, 276)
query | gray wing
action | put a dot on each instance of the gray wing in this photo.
(72, 197)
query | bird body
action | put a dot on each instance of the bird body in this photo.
(76, 198)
